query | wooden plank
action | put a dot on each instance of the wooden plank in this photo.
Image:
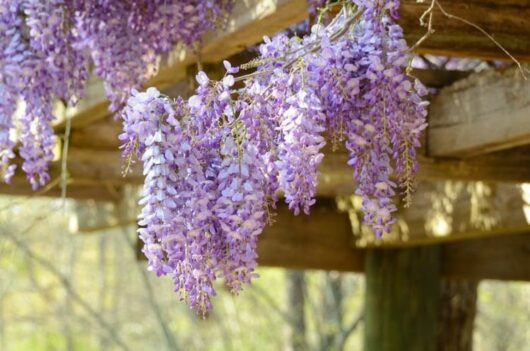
(485, 112)
(322, 240)
(448, 212)
(506, 21)
(503, 258)
(97, 145)
(104, 167)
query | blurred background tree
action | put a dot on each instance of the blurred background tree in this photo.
(88, 291)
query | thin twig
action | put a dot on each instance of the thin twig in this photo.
(257, 290)
(427, 12)
(463, 20)
(344, 334)
(430, 30)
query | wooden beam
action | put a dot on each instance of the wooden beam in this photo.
(485, 112)
(448, 212)
(502, 258)
(104, 167)
(505, 20)
(323, 240)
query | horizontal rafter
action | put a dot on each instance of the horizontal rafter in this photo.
(324, 241)
(102, 165)
(488, 111)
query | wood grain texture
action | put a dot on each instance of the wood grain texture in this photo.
(322, 240)
(402, 299)
(485, 112)
(506, 21)
(458, 307)
(94, 159)
(502, 258)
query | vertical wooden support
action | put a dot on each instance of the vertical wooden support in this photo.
(402, 299)
(458, 307)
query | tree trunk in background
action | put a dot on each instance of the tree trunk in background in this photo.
(458, 307)
(102, 294)
(332, 312)
(296, 339)
(402, 299)
(3, 342)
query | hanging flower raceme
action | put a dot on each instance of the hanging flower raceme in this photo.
(236, 148)
(11, 53)
(371, 105)
(215, 164)
(47, 47)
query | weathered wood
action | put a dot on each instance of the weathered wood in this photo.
(104, 167)
(84, 192)
(458, 307)
(402, 299)
(449, 211)
(101, 161)
(505, 20)
(485, 112)
(322, 240)
(502, 257)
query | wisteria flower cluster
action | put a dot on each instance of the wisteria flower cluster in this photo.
(47, 46)
(215, 163)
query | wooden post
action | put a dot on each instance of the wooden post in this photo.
(458, 307)
(402, 299)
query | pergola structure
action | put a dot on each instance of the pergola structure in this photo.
(467, 221)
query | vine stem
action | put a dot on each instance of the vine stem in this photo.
(430, 30)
